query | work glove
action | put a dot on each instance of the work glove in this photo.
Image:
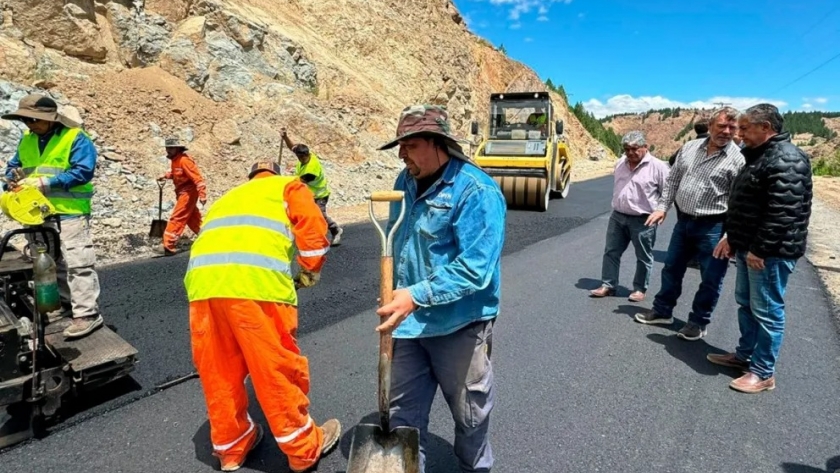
(40, 183)
(306, 279)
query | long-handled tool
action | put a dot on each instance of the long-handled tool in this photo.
(378, 448)
(159, 225)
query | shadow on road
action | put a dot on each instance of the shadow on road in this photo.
(831, 466)
(629, 310)
(440, 457)
(693, 354)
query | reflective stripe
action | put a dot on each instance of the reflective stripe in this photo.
(251, 220)
(45, 170)
(250, 259)
(222, 448)
(309, 253)
(296, 433)
(69, 195)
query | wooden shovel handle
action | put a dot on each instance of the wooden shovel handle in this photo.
(386, 196)
(386, 343)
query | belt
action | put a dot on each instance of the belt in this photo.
(701, 218)
(645, 216)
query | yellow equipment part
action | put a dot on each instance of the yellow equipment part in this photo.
(26, 205)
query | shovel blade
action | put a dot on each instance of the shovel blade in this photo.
(158, 227)
(375, 451)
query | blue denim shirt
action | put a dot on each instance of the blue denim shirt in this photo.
(448, 249)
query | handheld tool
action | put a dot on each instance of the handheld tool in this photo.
(159, 225)
(378, 448)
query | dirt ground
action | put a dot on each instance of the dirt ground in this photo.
(823, 244)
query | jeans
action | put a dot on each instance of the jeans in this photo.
(622, 230)
(460, 364)
(761, 311)
(692, 238)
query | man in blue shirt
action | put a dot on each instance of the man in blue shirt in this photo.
(58, 158)
(447, 256)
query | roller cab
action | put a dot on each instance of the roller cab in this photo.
(524, 150)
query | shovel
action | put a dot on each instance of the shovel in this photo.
(378, 448)
(159, 225)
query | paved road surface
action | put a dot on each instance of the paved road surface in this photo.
(581, 386)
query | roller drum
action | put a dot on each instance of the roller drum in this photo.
(524, 192)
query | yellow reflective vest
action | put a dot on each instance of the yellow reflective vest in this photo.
(245, 247)
(319, 185)
(55, 160)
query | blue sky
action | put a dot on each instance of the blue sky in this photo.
(630, 56)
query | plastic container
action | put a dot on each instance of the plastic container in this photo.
(47, 298)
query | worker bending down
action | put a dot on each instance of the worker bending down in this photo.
(243, 316)
(190, 189)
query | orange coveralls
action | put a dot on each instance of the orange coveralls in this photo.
(232, 338)
(189, 189)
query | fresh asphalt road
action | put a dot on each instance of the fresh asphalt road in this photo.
(581, 386)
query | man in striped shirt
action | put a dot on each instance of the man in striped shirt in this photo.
(698, 186)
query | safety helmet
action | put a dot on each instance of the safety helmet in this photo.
(269, 166)
(300, 150)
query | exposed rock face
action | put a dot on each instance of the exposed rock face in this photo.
(226, 75)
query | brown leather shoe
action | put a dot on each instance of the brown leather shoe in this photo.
(332, 432)
(636, 296)
(750, 383)
(602, 291)
(730, 360)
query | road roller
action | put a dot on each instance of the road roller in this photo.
(527, 156)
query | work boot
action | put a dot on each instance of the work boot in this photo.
(730, 360)
(336, 241)
(332, 432)
(750, 383)
(164, 251)
(233, 463)
(602, 291)
(82, 326)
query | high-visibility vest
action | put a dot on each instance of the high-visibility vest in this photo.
(319, 185)
(53, 161)
(245, 247)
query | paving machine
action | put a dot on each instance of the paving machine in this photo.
(39, 368)
(524, 149)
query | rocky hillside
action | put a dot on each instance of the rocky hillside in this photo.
(668, 132)
(225, 75)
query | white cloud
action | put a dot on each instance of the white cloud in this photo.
(542, 18)
(516, 26)
(528, 40)
(519, 7)
(807, 105)
(821, 100)
(628, 104)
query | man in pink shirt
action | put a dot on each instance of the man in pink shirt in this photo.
(639, 180)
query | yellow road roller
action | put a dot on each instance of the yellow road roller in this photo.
(522, 151)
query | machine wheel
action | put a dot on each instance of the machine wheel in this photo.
(525, 192)
(567, 184)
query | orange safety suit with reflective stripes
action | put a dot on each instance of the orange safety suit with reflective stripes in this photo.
(189, 189)
(234, 336)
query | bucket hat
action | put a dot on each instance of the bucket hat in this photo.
(427, 120)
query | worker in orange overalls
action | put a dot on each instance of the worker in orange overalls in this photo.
(189, 189)
(243, 316)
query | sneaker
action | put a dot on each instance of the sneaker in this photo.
(231, 463)
(648, 316)
(336, 241)
(332, 432)
(56, 315)
(82, 326)
(728, 359)
(692, 332)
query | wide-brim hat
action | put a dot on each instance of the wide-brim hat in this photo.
(174, 143)
(39, 107)
(426, 121)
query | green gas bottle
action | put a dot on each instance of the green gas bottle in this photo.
(46, 284)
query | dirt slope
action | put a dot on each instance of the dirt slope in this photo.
(225, 75)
